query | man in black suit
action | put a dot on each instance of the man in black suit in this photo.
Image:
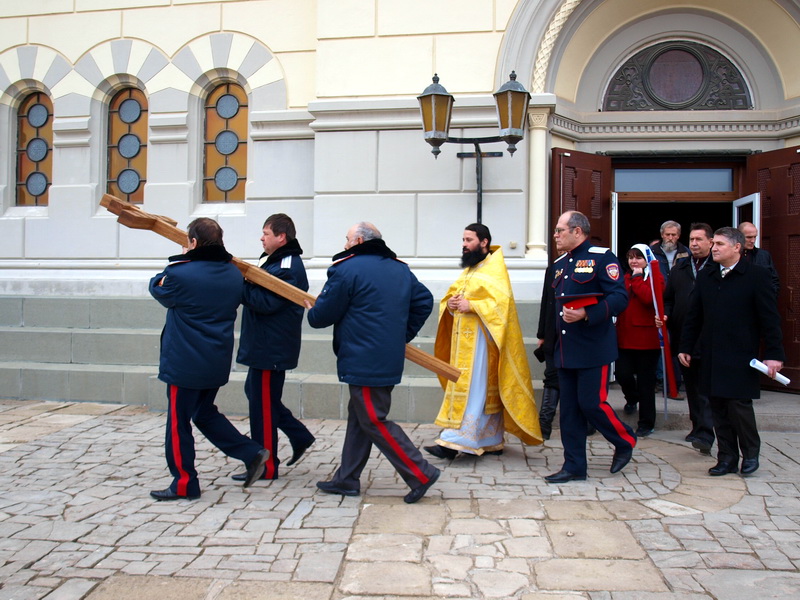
(758, 256)
(733, 308)
(676, 305)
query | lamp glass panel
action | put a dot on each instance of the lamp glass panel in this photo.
(503, 110)
(519, 109)
(442, 112)
(426, 108)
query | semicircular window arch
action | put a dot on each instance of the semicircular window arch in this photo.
(677, 75)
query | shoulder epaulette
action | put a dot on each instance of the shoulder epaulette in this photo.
(177, 262)
(286, 262)
(560, 257)
(598, 250)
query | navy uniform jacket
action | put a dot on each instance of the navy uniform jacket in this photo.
(376, 305)
(588, 269)
(730, 318)
(202, 291)
(272, 325)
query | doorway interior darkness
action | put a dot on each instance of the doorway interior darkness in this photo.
(640, 222)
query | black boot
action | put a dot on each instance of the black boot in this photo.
(547, 411)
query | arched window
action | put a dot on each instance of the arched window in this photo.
(677, 76)
(34, 150)
(225, 154)
(127, 145)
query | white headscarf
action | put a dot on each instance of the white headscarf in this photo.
(648, 256)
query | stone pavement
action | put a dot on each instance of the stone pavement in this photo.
(76, 521)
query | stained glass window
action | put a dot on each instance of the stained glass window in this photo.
(34, 150)
(127, 145)
(225, 148)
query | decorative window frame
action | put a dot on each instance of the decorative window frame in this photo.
(723, 86)
(211, 82)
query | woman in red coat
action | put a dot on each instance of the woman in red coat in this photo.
(637, 338)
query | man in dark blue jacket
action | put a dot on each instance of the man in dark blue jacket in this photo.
(376, 306)
(270, 344)
(201, 290)
(589, 291)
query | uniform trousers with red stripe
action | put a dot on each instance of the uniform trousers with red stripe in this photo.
(264, 391)
(584, 398)
(367, 425)
(187, 406)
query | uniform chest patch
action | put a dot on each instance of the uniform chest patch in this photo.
(613, 271)
(584, 266)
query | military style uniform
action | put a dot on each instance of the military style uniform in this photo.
(585, 349)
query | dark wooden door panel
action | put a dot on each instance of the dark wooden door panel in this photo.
(776, 176)
(582, 182)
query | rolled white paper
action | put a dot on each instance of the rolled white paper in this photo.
(759, 366)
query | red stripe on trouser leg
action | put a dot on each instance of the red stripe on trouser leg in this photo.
(609, 412)
(381, 427)
(177, 457)
(266, 423)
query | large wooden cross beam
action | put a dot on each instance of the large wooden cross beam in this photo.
(134, 217)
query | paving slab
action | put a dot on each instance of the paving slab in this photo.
(593, 539)
(77, 523)
(594, 574)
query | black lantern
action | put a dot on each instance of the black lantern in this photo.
(436, 106)
(512, 111)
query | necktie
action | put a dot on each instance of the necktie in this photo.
(725, 271)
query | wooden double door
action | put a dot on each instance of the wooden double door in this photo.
(583, 182)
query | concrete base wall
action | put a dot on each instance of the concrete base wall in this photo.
(107, 350)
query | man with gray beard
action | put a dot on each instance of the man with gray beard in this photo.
(670, 250)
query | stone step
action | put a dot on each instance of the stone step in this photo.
(141, 347)
(146, 313)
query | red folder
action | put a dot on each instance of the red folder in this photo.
(574, 301)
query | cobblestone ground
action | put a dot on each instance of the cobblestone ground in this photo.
(76, 521)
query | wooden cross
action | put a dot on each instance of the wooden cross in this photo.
(134, 217)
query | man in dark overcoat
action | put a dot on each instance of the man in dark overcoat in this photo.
(376, 306)
(733, 309)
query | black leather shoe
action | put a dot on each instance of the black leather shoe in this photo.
(168, 494)
(494, 452)
(255, 470)
(702, 445)
(330, 487)
(239, 476)
(563, 476)
(749, 465)
(419, 492)
(644, 431)
(629, 409)
(297, 453)
(621, 458)
(441, 452)
(723, 468)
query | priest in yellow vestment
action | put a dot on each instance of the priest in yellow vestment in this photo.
(479, 333)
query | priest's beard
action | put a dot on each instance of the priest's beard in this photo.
(470, 258)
